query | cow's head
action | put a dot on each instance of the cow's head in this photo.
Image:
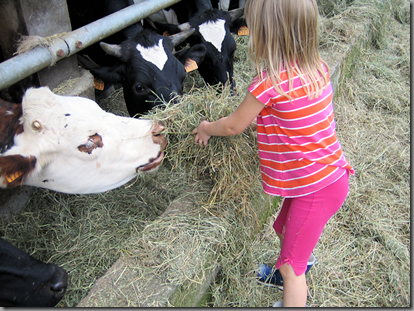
(148, 70)
(69, 144)
(28, 282)
(212, 29)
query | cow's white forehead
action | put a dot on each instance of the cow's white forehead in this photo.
(154, 54)
(214, 32)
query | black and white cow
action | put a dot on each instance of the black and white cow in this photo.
(69, 144)
(213, 30)
(141, 60)
(147, 68)
(28, 282)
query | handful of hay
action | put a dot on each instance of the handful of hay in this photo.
(231, 163)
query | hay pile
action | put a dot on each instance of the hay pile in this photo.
(230, 163)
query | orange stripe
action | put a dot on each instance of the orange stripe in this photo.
(284, 166)
(287, 148)
(267, 84)
(305, 112)
(299, 132)
(299, 164)
(301, 181)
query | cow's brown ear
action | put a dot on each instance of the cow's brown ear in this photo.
(15, 169)
(9, 123)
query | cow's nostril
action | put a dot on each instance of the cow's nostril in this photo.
(157, 129)
(59, 287)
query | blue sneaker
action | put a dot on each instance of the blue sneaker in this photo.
(272, 277)
(279, 304)
(269, 276)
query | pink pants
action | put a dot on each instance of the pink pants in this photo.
(301, 221)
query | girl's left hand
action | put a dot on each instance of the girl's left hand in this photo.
(201, 136)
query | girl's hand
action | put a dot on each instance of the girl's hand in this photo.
(201, 136)
(232, 125)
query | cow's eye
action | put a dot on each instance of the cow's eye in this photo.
(139, 88)
(36, 125)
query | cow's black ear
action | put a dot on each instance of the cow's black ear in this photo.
(114, 74)
(239, 27)
(195, 53)
(166, 29)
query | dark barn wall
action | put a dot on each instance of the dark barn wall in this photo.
(37, 18)
(11, 26)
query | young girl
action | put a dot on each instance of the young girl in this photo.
(300, 156)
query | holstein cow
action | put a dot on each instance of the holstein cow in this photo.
(212, 29)
(141, 60)
(149, 71)
(28, 282)
(69, 144)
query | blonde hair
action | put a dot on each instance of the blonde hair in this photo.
(284, 35)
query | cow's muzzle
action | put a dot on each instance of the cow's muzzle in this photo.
(157, 135)
(158, 138)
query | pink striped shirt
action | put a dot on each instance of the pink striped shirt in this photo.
(298, 148)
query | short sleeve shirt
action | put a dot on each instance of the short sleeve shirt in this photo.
(298, 148)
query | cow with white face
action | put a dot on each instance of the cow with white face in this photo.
(69, 144)
(213, 31)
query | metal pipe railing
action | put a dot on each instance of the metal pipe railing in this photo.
(25, 64)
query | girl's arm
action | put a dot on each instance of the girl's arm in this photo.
(232, 125)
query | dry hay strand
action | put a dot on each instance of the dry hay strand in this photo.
(115, 103)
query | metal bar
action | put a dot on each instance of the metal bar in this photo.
(23, 65)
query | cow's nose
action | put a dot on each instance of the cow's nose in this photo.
(60, 282)
(157, 136)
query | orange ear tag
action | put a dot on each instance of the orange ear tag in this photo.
(190, 65)
(12, 177)
(243, 31)
(99, 84)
